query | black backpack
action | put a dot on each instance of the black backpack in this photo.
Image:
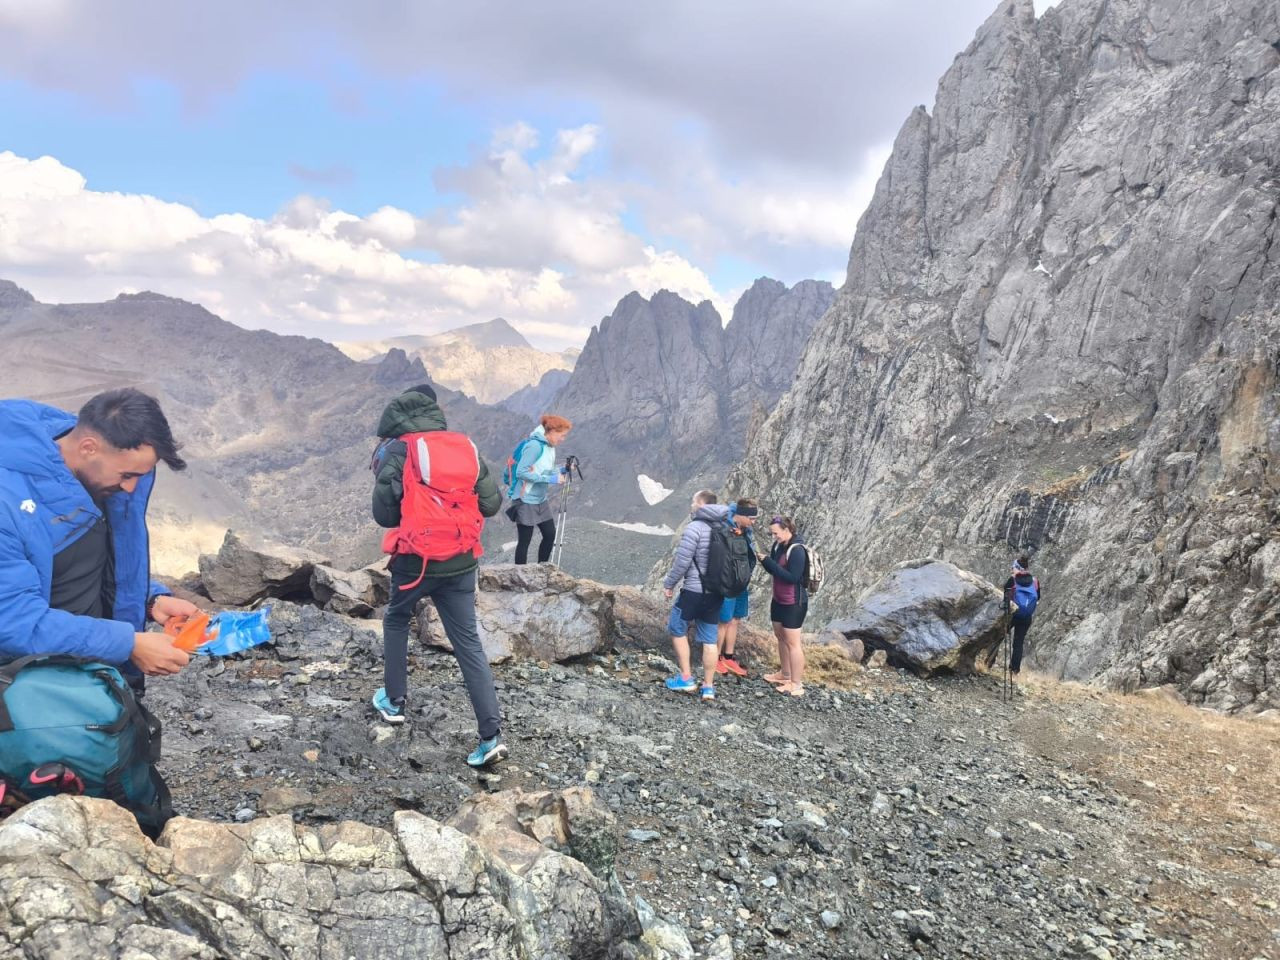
(728, 570)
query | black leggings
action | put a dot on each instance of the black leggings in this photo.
(1020, 628)
(524, 536)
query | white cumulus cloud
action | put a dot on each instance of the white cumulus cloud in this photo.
(531, 241)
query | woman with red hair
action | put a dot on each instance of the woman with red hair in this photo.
(534, 472)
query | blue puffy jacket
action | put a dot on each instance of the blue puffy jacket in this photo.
(43, 510)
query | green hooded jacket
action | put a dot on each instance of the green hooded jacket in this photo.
(414, 412)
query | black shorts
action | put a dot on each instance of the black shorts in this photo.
(699, 607)
(790, 615)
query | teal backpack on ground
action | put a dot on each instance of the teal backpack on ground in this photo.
(81, 714)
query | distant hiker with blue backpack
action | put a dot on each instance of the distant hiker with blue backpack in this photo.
(75, 596)
(434, 490)
(531, 473)
(1021, 594)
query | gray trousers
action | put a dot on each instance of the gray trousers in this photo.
(455, 601)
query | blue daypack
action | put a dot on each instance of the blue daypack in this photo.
(81, 714)
(509, 477)
(1026, 598)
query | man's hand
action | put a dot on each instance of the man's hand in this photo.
(156, 656)
(669, 592)
(165, 607)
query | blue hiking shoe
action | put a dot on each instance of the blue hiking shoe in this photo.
(708, 694)
(391, 712)
(489, 751)
(682, 684)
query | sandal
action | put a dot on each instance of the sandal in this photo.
(791, 690)
(776, 678)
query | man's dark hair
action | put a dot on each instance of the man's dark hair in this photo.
(127, 419)
(1024, 561)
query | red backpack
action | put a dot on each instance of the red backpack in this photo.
(439, 512)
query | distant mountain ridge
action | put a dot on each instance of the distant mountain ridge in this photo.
(489, 361)
(664, 388)
(277, 429)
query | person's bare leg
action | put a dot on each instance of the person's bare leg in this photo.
(795, 660)
(681, 647)
(784, 658)
(728, 637)
(722, 639)
(710, 654)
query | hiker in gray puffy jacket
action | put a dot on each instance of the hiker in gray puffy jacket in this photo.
(694, 607)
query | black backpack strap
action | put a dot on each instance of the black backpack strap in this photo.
(702, 577)
(146, 744)
(132, 711)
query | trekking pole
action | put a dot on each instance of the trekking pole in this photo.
(562, 522)
(1007, 689)
(562, 519)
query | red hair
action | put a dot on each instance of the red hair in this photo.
(552, 422)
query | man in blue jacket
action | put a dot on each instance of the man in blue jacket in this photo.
(75, 571)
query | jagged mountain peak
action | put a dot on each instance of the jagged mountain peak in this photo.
(1059, 335)
(12, 295)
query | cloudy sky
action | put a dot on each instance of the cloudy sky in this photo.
(355, 171)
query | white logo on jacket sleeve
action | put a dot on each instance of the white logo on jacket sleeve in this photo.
(27, 506)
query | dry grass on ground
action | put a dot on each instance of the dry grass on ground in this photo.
(1205, 782)
(823, 666)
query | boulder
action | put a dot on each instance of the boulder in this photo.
(77, 878)
(927, 615)
(538, 612)
(851, 644)
(247, 569)
(300, 631)
(353, 593)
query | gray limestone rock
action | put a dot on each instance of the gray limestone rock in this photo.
(664, 388)
(538, 612)
(354, 593)
(77, 878)
(928, 615)
(1058, 335)
(247, 569)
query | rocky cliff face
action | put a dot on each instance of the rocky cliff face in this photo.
(532, 401)
(664, 389)
(1059, 334)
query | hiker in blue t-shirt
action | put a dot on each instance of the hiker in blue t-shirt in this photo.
(1021, 594)
(741, 518)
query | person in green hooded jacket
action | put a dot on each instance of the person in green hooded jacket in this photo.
(450, 583)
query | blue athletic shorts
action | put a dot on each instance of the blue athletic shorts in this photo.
(734, 608)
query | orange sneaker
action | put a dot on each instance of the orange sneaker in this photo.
(732, 666)
(721, 667)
